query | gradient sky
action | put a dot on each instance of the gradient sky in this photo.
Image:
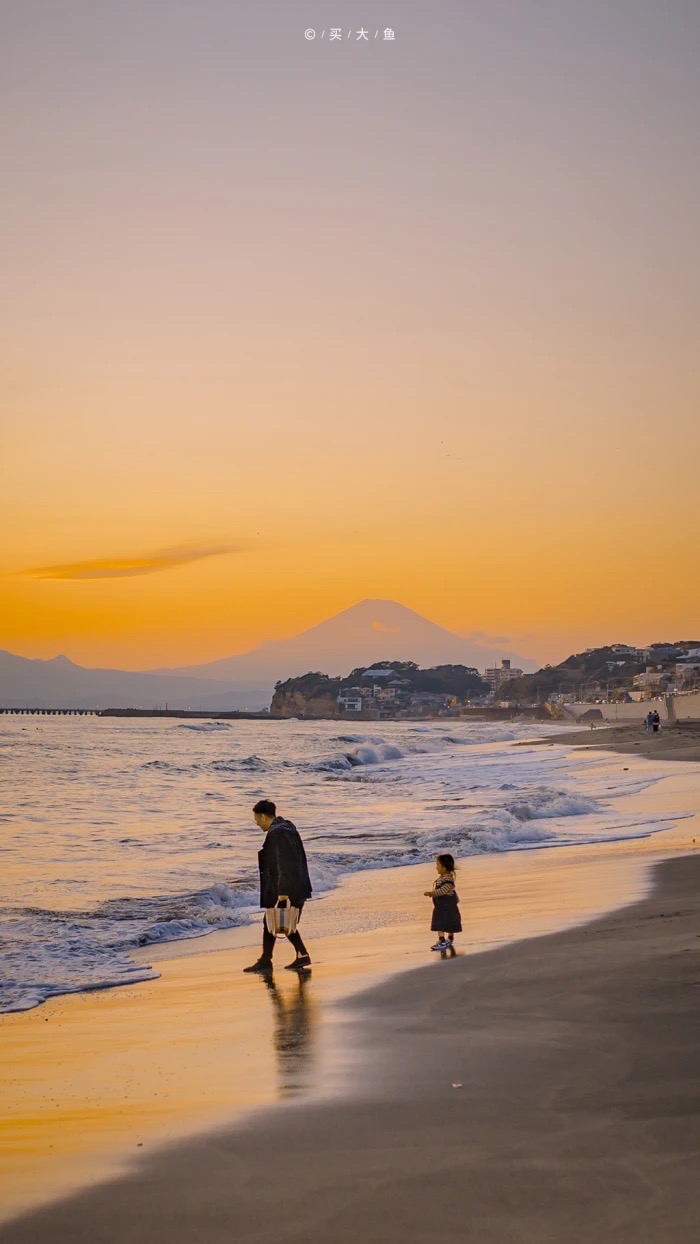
(288, 323)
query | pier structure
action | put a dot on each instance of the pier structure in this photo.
(203, 714)
(50, 712)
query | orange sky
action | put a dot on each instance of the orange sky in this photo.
(287, 324)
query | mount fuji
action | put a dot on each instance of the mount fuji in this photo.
(372, 630)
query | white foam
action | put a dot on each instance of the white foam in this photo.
(156, 836)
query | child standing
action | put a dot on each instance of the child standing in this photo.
(446, 919)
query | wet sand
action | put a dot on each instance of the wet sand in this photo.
(95, 1084)
(544, 1091)
(674, 741)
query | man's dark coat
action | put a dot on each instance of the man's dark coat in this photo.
(283, 867)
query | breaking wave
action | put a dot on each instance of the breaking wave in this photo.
(367, 754)
(155, 823)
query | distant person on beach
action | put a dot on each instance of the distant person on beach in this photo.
(446, 919)
(655, 721)
(649, 722)
(283, 873)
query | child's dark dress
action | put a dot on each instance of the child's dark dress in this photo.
(446, 917)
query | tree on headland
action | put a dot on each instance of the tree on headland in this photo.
(460, 681)
(310, 685)
(402, 669)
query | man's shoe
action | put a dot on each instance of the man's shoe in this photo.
(301, 964)
(261, 966)
(441, 944)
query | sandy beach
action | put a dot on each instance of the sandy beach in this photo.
(678, 740)
(94, 1081)
(547, 1091)
(577, 1098)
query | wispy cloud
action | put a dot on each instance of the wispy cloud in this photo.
(126, 567)
(482, 637)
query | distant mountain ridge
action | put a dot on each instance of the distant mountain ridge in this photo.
(372, 630)
(59, 683)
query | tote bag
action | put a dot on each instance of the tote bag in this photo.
(282, 919)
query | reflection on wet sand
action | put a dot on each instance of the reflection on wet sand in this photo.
(292, 1036)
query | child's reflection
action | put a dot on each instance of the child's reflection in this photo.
(292, 1035)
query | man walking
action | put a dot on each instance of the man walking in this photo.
(283, 871)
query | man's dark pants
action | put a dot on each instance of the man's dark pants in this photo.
(269, 940)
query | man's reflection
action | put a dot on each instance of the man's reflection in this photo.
(292, 1035)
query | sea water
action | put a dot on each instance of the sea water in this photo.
(119, 833)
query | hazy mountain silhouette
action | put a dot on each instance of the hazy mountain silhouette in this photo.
(59, 683)
(372, 630)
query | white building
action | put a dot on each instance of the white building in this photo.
(350, 700)
(500, 674)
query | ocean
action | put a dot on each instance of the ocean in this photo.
(116, 834)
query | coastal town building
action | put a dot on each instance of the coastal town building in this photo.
(652, 675)
(687, 674)
(660, 652)
(500, 674)
(432, 698)
(396, 699)
(351, 700)
(381, 693)
(397, 687)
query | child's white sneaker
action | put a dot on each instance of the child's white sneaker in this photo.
(441, 944)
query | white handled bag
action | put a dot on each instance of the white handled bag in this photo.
(282, 919)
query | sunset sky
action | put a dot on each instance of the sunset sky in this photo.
(290, 322)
